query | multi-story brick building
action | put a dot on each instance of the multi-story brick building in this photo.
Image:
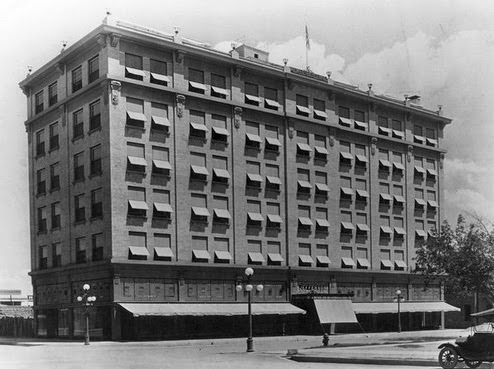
(160, 169)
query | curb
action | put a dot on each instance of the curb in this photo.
(347, 360)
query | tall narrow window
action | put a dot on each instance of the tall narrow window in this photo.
(76, 79)
(218, 86)
(38, 102)
(43, 257)
(55, 215)
(252, 94)
(52, 94)
(78, 124)
(80, 250)
(42, 219)
(196, 81)
(54, 136)
(97, 203)
(54, 177)
(93, 69)
(97, 246)
(302, 103)
(40, 182)
(79, 208)
(79, 167)
(95, 160)
(56, 254)
(159, 73)
(40, 143)
(133, 67)
(94, 116)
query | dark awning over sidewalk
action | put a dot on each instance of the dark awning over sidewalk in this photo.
(228, 309)
(406, 307)
(335, 311)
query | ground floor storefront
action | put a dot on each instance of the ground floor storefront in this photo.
(139, 302)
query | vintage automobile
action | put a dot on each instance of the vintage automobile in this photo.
(474, 349)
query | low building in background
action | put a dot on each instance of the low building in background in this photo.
(160, 168)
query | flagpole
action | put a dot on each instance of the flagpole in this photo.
(307, 47)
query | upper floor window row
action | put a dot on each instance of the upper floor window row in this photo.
(158, 70)
(93, 72)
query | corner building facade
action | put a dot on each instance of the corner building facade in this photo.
(160, 169)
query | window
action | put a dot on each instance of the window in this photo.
(252, 139)
(430, 136)
(161, 163)
(320, 150)
(136, 161)
(272, 141)
(386, 263)
(303, 148)
(42, 226)
(303, 181)
(80, 250)
(41, 182)
(43, 257)
(52, 94)
(78, 124)
(38, 102)
(79, 167)
(220, 169)
(56, 254)
(93, 69)
(162, 247)
(135, 113)
(344, 112)
(220, 132)
(80, 210)
(198, 127)
(200, 212)
(271, 98)
(302, 105)
(220, 210)
(304, 254)
(254, 178)
(397, 129)
(94, 116)
(133, 67)
(274, 253)
(218, 86)
(198, 170)
(76, 79)
(159, 117)
(54, 177)
(322, 188)
(304, 218)
(138, 246)
(383, 126)
(200, 249)
(159, 73)
(54, 136)
(97, 203)
(137, 206)
(55, 215)
(320, 109)
(97, 246)
(196, 81)
(254, 216)
(273, 217)
(252, 94)
(95, 166)
(418, 134)
(40, 143)
(161, 204)
(273, 181)
(254, 252)
(360, 122)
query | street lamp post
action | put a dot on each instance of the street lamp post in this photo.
(249, 287)
(87, 301)
(399, 299)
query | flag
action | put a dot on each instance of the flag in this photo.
(307, 40)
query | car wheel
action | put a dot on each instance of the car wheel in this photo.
(473, 363)
(448, 358)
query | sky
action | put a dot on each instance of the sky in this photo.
(442, 50)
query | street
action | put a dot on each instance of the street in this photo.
(223, 353)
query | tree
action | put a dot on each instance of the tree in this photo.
(464, 256)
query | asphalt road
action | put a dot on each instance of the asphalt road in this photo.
(205, 354)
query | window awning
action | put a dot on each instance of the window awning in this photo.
(386, 263)
(135, 72)
(273, 141)
(221, 131)
(347, 262)
(400, 264)
(252, 99)
(346, 122)
(362, 158)
(400, 199)
(305, 221)
(398, 134)
(197, 85)
(320, 114)
(160, 121)
(275, 258)
(420, 233)
(200, 212)
(136, 116)
(362, 193)
(321, 150)
(432, 141)
(160, 77)
(347, 226)
(420, 202)
(346, 155)
(384, 131)
(386, 229)
(208, 309)
(432, 203)
(405, 306)
(201, 254)
(363, 263)
(273, 180)
(386, 196)
(274, 218)
(419, 139)
(253, 138)
(346, 191)
(163, 252)
(199, 170)
(400, 231)
(219, 91)
(398, 166)
(303, 110)
(162, 164)
(138, 251)
(255, 217)
(221, 173)
(304, 147)
(384, 163)
(223, 255)
(306, 259)
(323, 223)
(138, 205)
(363, 228)
(163, 208)
(255, 257)
(221, 213)
(271, 103)
(361, 125)
(304, 184)
(335, 311)
(254, 177)
(135, 160)
(199, 127)
(419, 169)
(323, 260)
(322, 187)
(432, 172)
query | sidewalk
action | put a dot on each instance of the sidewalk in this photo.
(418, 348)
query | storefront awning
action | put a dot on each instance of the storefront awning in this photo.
(335, 311)
(228, 309)
(488, 312)
(405, 307)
